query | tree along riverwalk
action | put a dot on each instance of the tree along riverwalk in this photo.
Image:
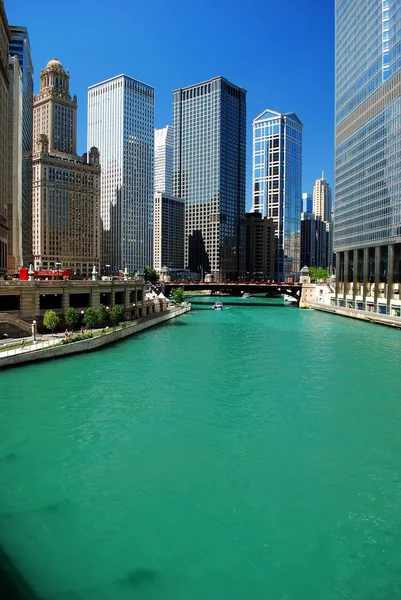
(49, 349)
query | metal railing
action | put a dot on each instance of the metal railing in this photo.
(77, 282)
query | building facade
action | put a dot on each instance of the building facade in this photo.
(66, 216)
(323, 209)
(209, 174)
(168, 231)
(65, 187)
(307, 203)
(322, 199)
(367, 208)
(277, 183)
(314, 241)
(259, 247)
(54, 111)
(4, 79)
(163, 160)
(121, 125)
(20, 47)
(14, 156)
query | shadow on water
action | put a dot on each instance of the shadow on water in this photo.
(136, 578)
(54, 507)
(9, 458)
(12, 585)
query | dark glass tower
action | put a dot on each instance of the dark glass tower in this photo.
(19, 46)
(367, 198)
(209, 174)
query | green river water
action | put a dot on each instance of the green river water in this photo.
(252, 453)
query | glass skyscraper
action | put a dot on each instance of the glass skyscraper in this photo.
(209, 174)
(121, 126)
(277, 183)
(19, 46)
(367, 205)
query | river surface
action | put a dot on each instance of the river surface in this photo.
(252, 453)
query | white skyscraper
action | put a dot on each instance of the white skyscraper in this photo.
(322, 208)
(121, 126)
(164, 140)
(322, 199)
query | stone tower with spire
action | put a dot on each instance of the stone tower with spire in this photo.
(54, 111)
(66, 187)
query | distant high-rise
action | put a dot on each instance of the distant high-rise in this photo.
(66, 187)
(168, 231)
(4, 80)
(20, 47)
(322, 199)
(367, 206)
(314, 241)
(209, 173)
(121, 125)
(54, 111)
(259, 247)
(163, 160)
(277, 181)
(322, 208)
(14, 155)
(307, 203)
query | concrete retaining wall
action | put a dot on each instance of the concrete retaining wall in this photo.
(358, 314)
(93, 343)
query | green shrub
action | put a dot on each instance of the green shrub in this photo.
(77, 338)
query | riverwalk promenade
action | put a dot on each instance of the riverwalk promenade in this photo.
(51, 347)
(362, 315)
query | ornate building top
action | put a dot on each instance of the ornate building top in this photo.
(54, 111)
(55, 81)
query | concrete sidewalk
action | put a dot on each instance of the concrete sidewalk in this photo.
(362, 315)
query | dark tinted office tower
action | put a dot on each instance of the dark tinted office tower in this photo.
(4, 79)
(209, 174)
(367, 205)
(19, 46)
(315, 240)
(259, 247)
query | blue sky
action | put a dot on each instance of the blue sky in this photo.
(281, 53)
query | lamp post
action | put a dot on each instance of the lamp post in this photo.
(34, 331)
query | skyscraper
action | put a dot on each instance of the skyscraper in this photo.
(55, 112)
(14, 155)
(307, 202)
(367, 209)
(277, 181)
(168, 231)
(322, 199)
(66, 187)
(163, 161)
(314, 241)
(121, 125)
(20, 47)
(259, 247)
(322, 208)
(209, 174)
(4, 41)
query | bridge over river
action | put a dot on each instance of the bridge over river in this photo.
(232, 288)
